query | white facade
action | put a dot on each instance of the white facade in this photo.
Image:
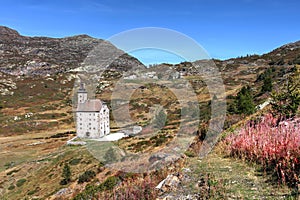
(92, 116)
(82, 97)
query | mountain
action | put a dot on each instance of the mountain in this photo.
(22, 55)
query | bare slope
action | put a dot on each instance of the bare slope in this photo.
(43, 55)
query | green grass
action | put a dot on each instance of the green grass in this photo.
(234, 179)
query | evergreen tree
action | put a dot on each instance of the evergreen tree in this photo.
(66, 175)
(267, 85)
(244, 101)
(286, 103)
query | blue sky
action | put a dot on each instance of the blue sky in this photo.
(225, 28)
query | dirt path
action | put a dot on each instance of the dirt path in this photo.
(233, 179)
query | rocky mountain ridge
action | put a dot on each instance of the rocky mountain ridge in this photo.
(23, 55)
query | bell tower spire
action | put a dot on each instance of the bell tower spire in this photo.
(82, 93)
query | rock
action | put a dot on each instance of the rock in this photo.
(160, 185)
(63, 192)
(169, 183)
(186, 170)
(172, 181)
(157, 157)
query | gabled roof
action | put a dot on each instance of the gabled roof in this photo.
(92, 105)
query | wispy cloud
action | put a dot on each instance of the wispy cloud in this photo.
(103, 6)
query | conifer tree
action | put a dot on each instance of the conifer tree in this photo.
(66, 175)
(267, 85)
(244, 101)
(286, 102)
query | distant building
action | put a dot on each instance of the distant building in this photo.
(92, 116)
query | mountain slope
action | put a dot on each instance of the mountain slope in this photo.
(21, 55)
(286, 54)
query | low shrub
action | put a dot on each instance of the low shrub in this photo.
(189, 153)
(9, 165)
(143, 189)
(75, 161)
(110, 182)
(158, 140)
(11, 187)
(20, 182)
(92, 191)
(273, 143)
(31, 192)
(86, 176)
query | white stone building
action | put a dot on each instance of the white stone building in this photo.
(92, 116)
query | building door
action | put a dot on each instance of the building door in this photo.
(88, 134)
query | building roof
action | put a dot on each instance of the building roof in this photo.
(91, 105)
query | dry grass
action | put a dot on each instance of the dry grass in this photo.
(232, 179)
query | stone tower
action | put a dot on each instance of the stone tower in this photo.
(82, 94)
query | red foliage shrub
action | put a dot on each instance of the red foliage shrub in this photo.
(271, 142)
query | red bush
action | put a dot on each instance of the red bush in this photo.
(271, 142)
